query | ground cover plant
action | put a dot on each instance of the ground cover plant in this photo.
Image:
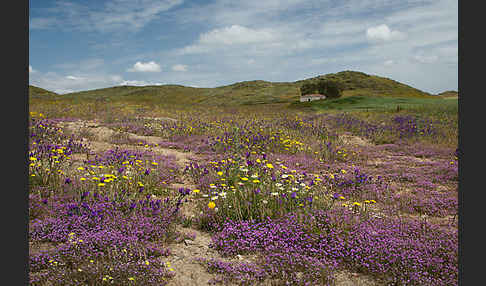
(134, 193)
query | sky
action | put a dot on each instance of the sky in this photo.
(84, 45)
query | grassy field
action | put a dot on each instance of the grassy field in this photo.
(243, 185)
(381, 103)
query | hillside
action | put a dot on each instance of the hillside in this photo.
(359, 83)
(39, 92)
(449, 93)
(242, 93)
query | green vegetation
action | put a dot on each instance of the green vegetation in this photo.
(331, 89)
(379, 103)
(449, 94)
(358, 83)
(37, 92)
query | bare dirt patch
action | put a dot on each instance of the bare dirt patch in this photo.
(102, 135)
(349, 139)
(347, 278)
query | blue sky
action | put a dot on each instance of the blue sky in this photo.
(82, 45)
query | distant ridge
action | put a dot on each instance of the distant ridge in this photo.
(360, 83)
(449, 93)
(245, 92)
(39, 92)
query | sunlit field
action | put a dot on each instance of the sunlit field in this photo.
(144, 193)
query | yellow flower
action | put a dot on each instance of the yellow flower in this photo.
(244, 179)
(256, 181)
(341, 197)
(33, 159)
(211, 205)
(101, 184)
(343, 171)
(83, 179)
(131, 278)
(80, 168)
(146, 262)
(270, 166)
(196, 191)
(155, 163)
(356, 204)
(220, 173)
(373, 201)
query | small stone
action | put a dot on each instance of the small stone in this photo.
(188, 242)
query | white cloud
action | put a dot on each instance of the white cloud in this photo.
(425, 59)
(145, 67)
(234, 35)
(179, 67)
(71, 77)
(41, 23)
(115, 15)
(389, 62)
(138, 83)
(62, 84)
(382, 33)
(31, 70)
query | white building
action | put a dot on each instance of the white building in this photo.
(311, 97)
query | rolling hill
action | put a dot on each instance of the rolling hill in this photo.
(39, 92)
(449, 93)
(241, 93)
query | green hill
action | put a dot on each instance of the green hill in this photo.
(39, 92)
(241, 93)
(362, 84)
(449, 93)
